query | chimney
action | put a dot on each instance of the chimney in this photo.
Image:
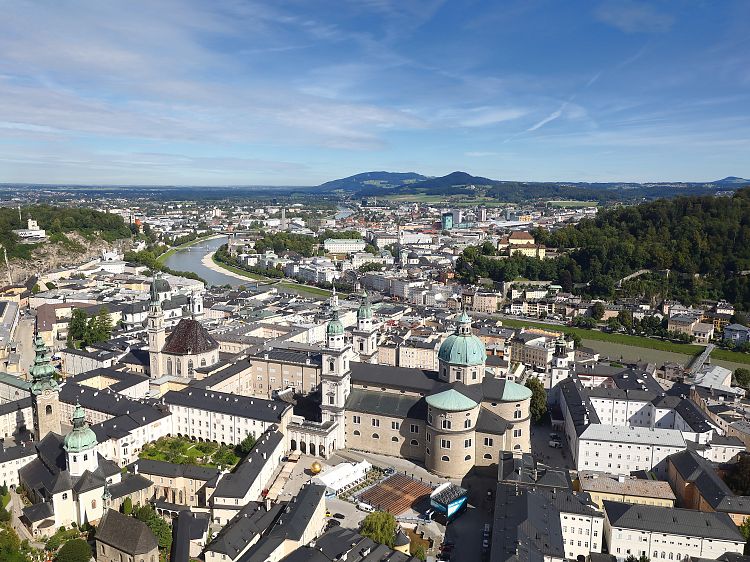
(268, 504)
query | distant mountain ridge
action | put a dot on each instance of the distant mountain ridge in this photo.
(464, 184)
(372, 179)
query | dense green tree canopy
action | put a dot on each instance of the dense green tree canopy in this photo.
(379, 526)
(538, 399)
(75, 550)
(694, 247)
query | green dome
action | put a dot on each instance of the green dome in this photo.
(82, 437)
(514, 392)
(335, 327)
(463, 347)
(365, 309)
(451, 400)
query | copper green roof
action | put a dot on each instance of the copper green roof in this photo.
(514, 392)
(42, 371)
(365, 309)
(82, 437)
(451, 400)
(335, 327)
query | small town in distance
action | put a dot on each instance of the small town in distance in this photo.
(375, 281)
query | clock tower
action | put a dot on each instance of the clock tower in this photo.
(45, 392)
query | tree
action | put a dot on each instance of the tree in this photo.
(75, 550)
(246, 445)
(625, 317)
(419, 552)
(538, 399)
(127, 506)
(597, 310)
(160, 528)
(380, 526)
(77, 327)
(642, 558)
(742, 376)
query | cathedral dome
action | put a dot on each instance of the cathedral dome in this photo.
(463, 347)
(189, 337)
(82, 437)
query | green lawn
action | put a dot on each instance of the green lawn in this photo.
(299, 287)
(163, 258)
(5, 500)
(239, 271)
(635, 341)
(309, 289)
(180, 450)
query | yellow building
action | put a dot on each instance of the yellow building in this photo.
(601, 486)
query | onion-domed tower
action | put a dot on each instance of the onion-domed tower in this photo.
(462, 355)
(365, 337)
(45, 392)
(80, 445)
(335, 378)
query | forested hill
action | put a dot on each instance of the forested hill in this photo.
(704, 242)
(58, 221)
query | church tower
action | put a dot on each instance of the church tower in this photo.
(80, 445)
(335, 378)
(196, 305)
(157, 333)
(366, 334)
(45, 392)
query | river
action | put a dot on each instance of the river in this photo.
(189, 259)
(342, 213)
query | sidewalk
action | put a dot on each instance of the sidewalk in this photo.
(14, 507)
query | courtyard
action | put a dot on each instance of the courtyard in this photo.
(181, 450)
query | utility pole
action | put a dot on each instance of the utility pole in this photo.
(7, 265)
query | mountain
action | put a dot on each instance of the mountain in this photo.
(454, 179)
(465, 185)
(731, 181)
(372, 180)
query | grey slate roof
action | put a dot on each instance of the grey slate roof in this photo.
(669, 520)
(126, 534)
(236, 484)
(694, 468)
(173, 470)
(377, 376)
(185, 528)
(230, 404)
(387, 404)
(251, 521)
(290, 525)
(38, 512)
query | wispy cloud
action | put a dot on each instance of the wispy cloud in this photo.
(551, 117)
(632, 16)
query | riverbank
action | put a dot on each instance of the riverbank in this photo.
(162, 258)
(209, 262)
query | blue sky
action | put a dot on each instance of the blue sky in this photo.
(298, 92)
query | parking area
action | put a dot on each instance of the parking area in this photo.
(556, 458)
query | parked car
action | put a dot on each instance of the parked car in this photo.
(554, 436)
(338, 515)
(555, 444)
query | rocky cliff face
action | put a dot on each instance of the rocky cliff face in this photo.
(50, 255)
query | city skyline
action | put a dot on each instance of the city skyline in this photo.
(297, 94)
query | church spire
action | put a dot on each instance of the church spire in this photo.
(42, 371)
